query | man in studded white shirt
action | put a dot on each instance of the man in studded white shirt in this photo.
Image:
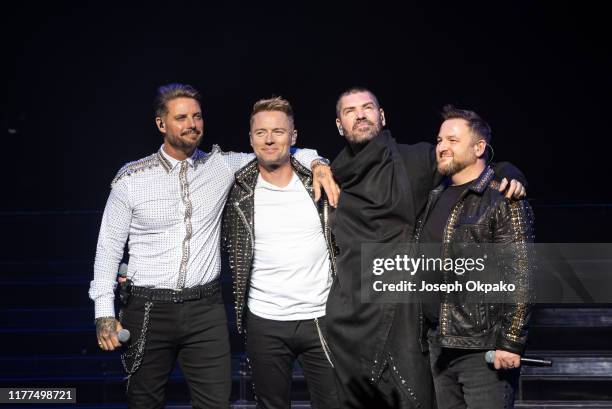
(281, 255)
(168, 208)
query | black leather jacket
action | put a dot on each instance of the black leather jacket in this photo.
(239, 232)
(483, 215)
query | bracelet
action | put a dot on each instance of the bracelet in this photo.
(318, 162)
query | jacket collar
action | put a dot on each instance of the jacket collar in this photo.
(480, 184)
(247, 176)
(477, 186)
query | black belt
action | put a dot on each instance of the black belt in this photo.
(176, 296)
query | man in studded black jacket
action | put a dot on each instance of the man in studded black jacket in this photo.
(466, 213)
(281, 254)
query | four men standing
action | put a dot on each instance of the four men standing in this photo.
(282, 255)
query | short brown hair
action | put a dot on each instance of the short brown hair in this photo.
(167, 93)
(272, 104)
(354, 90)
(480, 129)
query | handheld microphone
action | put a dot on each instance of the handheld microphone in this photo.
(123, 269)
(490, 358)
(123, 335)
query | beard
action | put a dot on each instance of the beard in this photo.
(456, 164)
(451, 168)
(357, 137)
(184, 144)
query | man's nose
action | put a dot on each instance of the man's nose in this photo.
(269, 139)
(191, 123)
(441, 147)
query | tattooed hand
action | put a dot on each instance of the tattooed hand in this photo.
(106, 331)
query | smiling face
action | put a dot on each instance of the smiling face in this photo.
(272, 135)
(457, 147)
(182, 125)
(359, 117)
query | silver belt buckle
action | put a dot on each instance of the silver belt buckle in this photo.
(177, 296)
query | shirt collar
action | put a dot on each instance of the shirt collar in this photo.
(169, 163)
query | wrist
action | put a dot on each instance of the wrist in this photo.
(319, 162)
(102, 319)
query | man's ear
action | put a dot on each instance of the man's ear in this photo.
(339, 126)
(160, 125)
(293, 137)
(480, 147)
(382, 117)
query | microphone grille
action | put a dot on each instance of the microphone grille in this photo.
(123, 269)
(123, 335)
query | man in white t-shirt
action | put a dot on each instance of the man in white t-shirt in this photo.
(281, 255)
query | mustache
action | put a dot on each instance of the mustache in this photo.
(361, 122)
(191, 131)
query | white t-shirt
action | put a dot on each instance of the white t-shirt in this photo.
(290, 279)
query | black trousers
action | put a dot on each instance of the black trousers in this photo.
(192, 332)
(272, 348)
(463, 379)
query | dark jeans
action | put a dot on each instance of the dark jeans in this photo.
(463, 379)
(273, 346)
(192, 332)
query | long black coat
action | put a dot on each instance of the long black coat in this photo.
(384, 188)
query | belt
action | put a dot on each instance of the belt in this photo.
(176, 296)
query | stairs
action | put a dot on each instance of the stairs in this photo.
(579, 342)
